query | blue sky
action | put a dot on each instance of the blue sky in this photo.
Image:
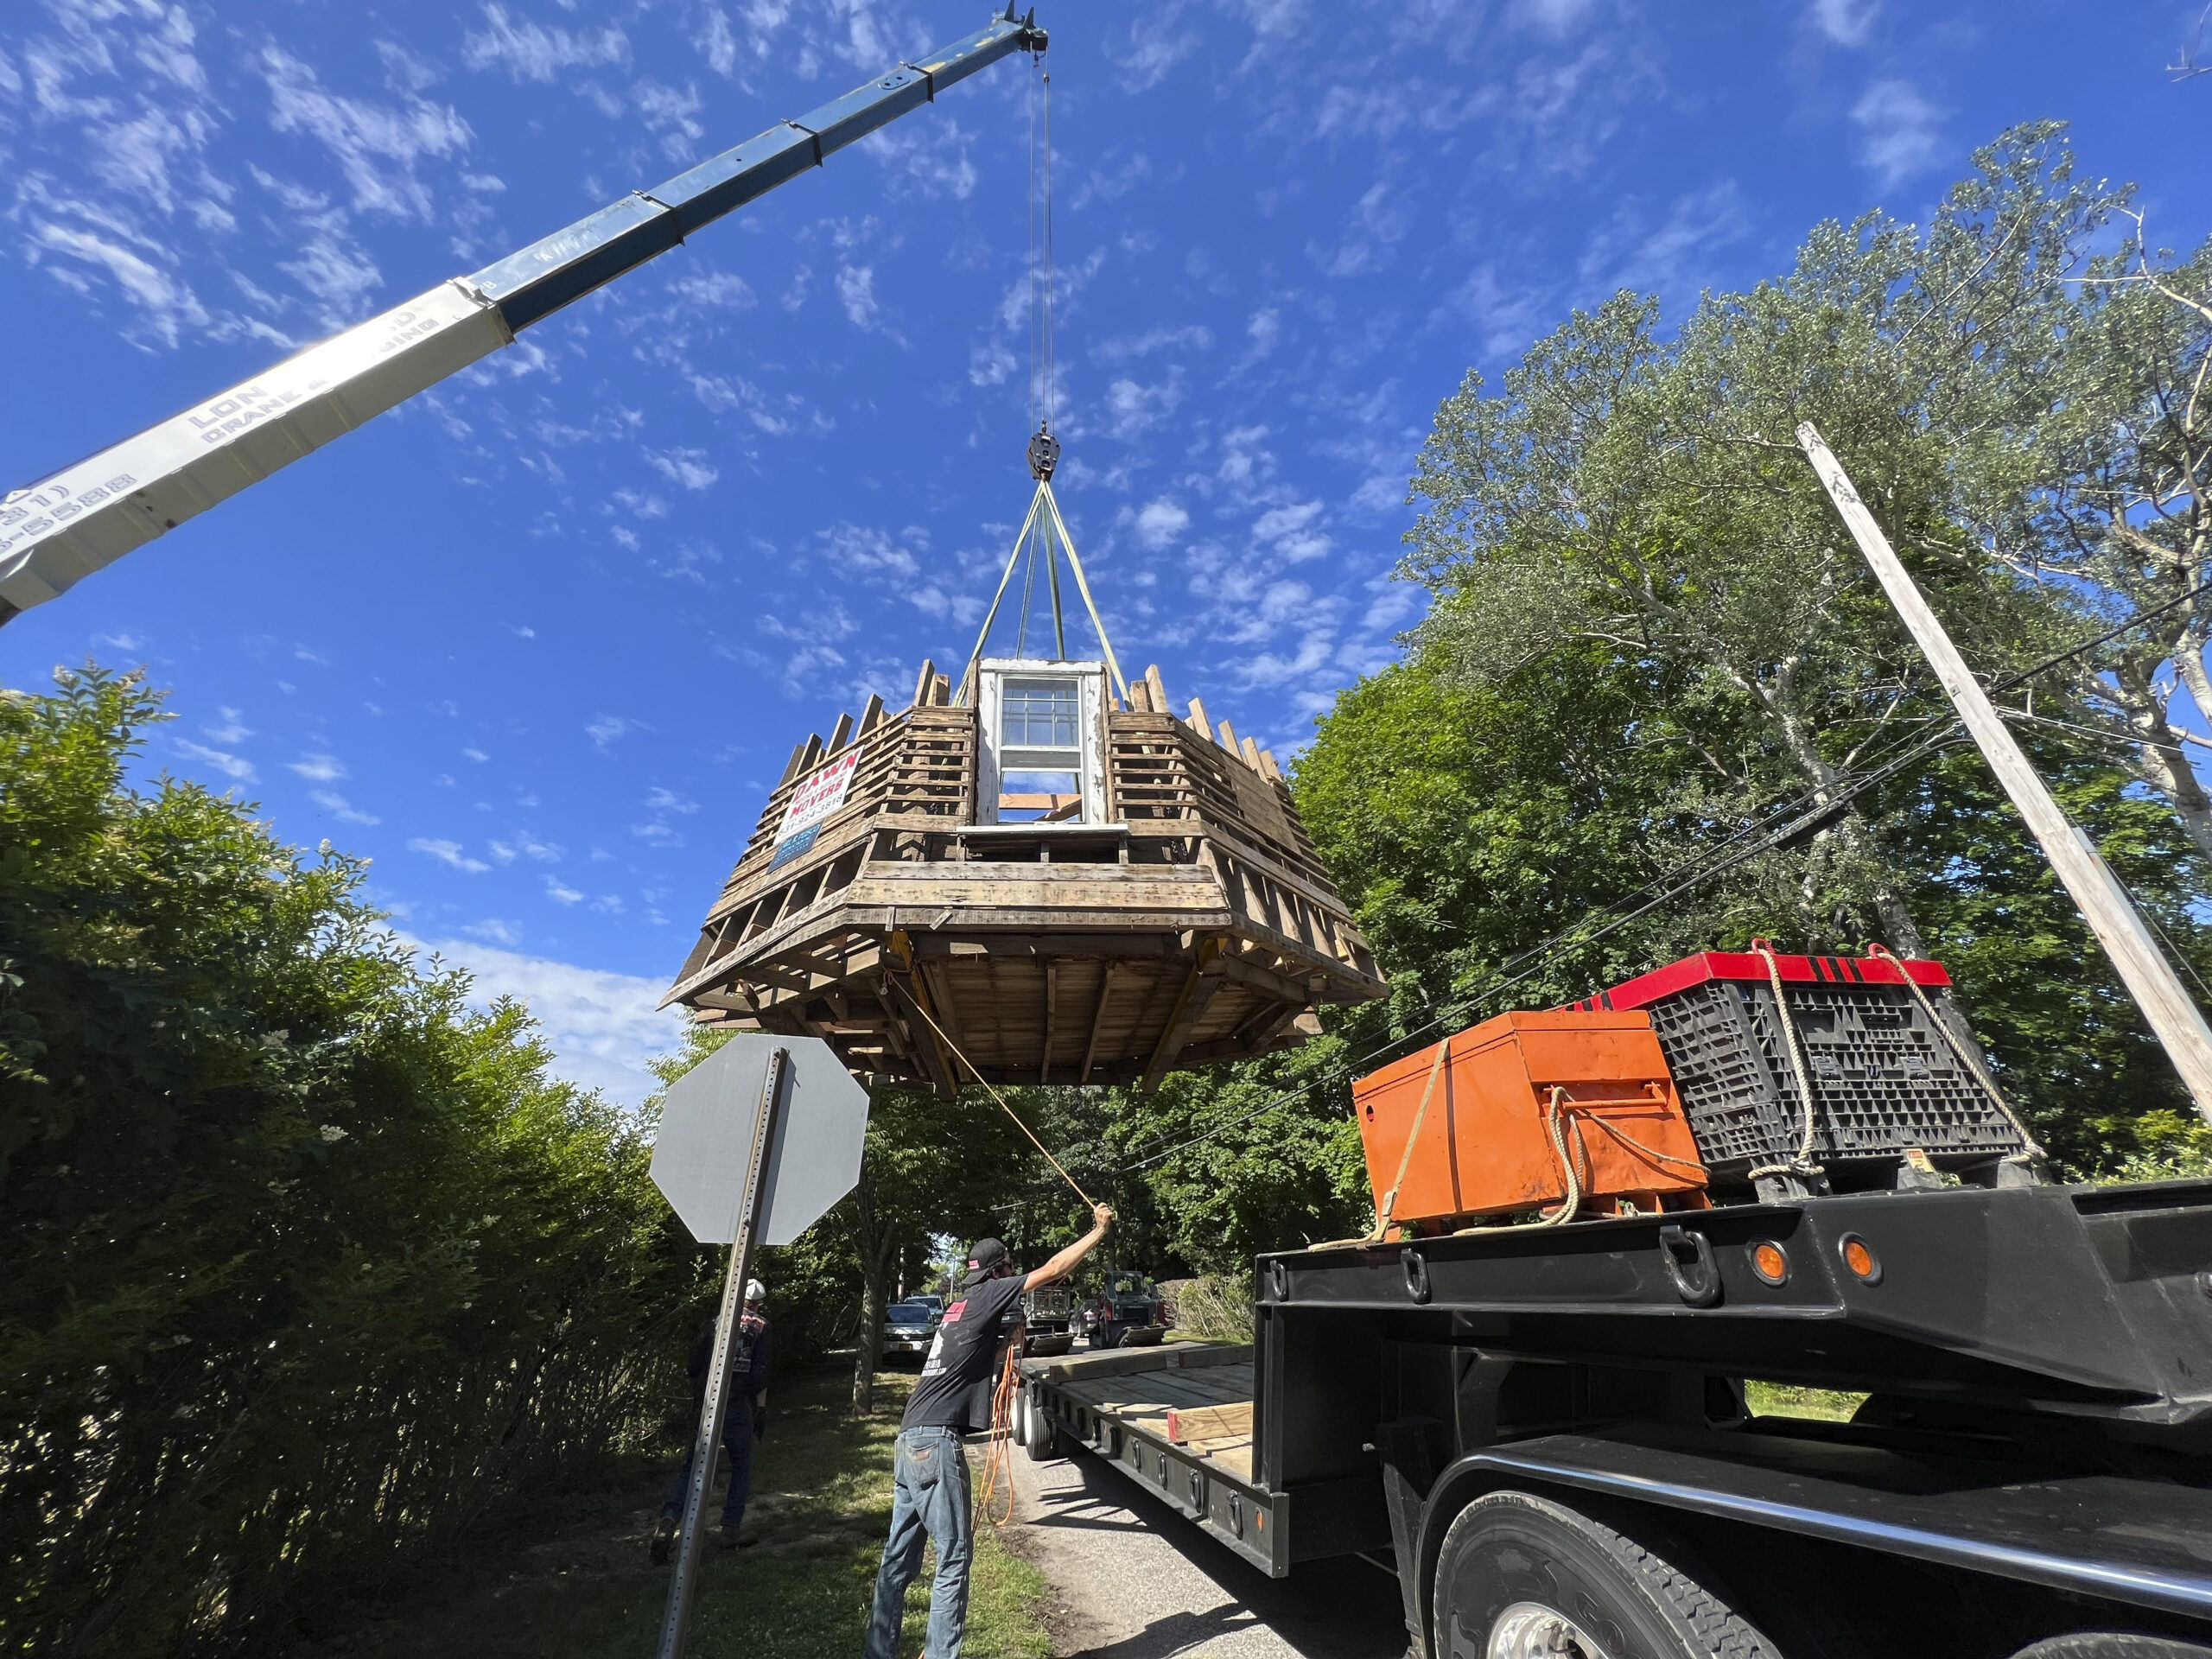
(539, 641)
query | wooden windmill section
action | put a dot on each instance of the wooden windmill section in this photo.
(1196, 923)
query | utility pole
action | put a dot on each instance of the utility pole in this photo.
(2175, 1019)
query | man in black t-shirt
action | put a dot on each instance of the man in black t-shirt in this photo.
(929, 1501)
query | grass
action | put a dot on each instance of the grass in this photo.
(1781, 1400)
(579, 1584)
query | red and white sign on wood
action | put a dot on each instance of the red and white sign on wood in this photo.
(812, 803)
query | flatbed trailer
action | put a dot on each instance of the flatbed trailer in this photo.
(1546, 1431)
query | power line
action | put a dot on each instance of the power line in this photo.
(1717, 862)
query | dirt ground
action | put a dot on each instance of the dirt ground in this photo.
(1131, 1579)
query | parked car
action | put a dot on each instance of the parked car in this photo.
(909, 1327)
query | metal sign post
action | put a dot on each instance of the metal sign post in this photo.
(683, 1583)
(2150, 980)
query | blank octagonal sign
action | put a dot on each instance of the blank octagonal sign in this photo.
(706, 1134)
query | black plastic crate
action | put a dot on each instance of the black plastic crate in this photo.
(1884, 1080)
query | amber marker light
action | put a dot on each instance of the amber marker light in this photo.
(1770, 1261)
(1859, 1257)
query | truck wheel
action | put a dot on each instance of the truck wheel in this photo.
(1520, 1576)
(2091, 1645)
(1038, 1434)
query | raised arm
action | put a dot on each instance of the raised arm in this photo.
(1065, 1263)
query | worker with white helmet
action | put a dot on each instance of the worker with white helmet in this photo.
(746, 1420)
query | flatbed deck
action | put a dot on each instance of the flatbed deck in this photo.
(1178, 1417)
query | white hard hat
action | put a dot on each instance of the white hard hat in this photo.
(755, 1291)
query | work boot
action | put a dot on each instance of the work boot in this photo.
(725, 1537)
(664, 1544)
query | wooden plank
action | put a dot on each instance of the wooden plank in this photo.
(1051, 1014)
(871, 714)
(925, 683)
(1237, 1461)
(1199, 722)
(1097, 1020)
(1211, 1422)
(1117, 1361)
(1206, 979)
(840, 733)
(1159, 690)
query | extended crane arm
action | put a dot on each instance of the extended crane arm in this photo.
(72, 522)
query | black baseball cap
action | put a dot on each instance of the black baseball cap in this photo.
(984, 1259)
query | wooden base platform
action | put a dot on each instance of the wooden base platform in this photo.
(923, 941)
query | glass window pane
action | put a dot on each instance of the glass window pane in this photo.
(1039, 715)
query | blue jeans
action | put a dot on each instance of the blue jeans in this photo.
(737, 1440)
(929, 1500)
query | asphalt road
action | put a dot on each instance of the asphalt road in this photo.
(1136, 1581)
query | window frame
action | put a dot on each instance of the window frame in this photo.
(1085, 759)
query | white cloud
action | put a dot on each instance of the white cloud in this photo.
(471, 751)
(448, 852)
(1673, 258)
(1551, 17)
(1290, 531)
(340, 808)
(688, 467)
(376, 146)
(231, 765)
(672, 114)
(718, 288)
(1847, 22)
(853, 548)
(233, 728)
(606, 729)
(559, 893)
(1900, 125)
(667, 800)
(1133, 407)
(531, 52)
(319, 768)
(496, 931)
(1160, 522)
(341, 277)
(167, 304)
(856, 288)
(1152, 51)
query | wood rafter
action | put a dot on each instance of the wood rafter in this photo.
(1098, 1018)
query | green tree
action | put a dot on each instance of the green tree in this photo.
(309, 1262)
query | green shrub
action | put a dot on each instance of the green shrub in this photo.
(308, 1263)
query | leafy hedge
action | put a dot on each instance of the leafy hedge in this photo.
(307, 1263)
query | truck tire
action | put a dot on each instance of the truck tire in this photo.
(1520, 1576)
(2090, 1644)
(1038, 1437)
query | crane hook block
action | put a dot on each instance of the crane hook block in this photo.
(1044, 456)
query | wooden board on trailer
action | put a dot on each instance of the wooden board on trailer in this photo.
(1202, 1423)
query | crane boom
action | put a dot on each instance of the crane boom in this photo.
(72, 522)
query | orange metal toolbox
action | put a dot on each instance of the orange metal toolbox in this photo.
(1483, 1147)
